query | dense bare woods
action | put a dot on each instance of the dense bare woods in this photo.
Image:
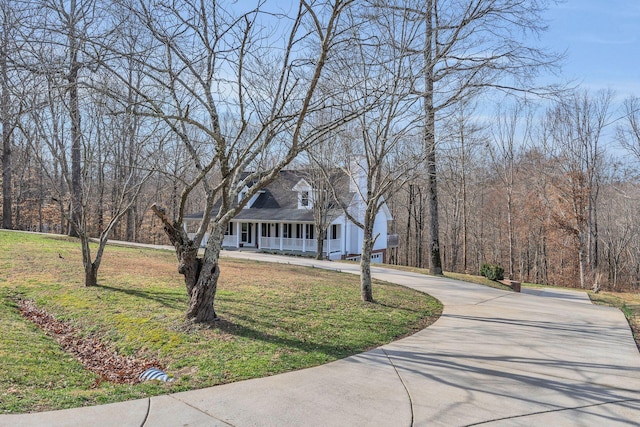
(547, 194)
(108, 108)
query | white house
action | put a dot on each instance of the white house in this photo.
(281, 218)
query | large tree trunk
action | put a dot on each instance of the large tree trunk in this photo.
(435, 264)
(202, 294)
(200, 274)
(90, 275)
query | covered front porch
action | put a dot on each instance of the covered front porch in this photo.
(283, 236)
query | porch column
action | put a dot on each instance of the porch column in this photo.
(347, 237)
(303, 228)
(259, 233)
(281, 235)
(238, 231)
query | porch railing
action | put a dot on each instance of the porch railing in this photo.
(229, 241)
(300, 245)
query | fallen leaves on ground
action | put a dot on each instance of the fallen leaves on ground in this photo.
(92, 353)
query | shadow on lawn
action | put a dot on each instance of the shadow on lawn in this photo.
(169, 300)
(246, 331)
(245, 326)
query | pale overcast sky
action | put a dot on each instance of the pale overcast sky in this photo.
(602, 40)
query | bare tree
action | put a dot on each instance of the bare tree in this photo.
(10, 102)
(380, 145)
(629, 132)
(509, 135)
(62, 56)
(237, 98)
(48, 130)
(67, 25)
(462, 137)
(322, 201)
(467, 47)
(618, 232)
(575, 126)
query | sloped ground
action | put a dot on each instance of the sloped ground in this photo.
(93, 354)
(493, 358)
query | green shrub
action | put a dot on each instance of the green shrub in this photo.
(492, 271)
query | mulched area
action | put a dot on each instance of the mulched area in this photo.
(92, 353)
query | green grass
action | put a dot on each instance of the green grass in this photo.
(274, 318)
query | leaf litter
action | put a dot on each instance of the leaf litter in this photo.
(92, 353)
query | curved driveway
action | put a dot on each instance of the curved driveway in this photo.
(494, 358)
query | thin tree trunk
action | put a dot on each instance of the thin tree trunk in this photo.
(366, 290)
(90, 268)
(320, 242)
(7, 200)
(435, 266)
(409, 211)
(6, 137)
(465, 225)
(74, 112)
(511, 233)
(582, 258)
(131, 224)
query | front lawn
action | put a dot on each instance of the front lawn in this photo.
(274, 318)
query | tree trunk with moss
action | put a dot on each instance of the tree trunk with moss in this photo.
(200, 274)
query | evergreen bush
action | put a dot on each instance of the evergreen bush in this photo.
(492, 271)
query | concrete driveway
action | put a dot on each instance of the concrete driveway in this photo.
(494, 358)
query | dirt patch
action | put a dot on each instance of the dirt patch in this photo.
(92, 353)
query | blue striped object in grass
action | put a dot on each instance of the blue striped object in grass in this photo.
(154, 374)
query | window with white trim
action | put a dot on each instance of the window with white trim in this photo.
(229, 230)
(309, 231)
(334, 231)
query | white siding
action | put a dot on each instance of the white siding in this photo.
(380, 226)
(356, 239)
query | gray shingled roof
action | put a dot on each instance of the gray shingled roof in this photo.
(278, 202)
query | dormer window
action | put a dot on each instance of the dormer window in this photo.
(305, 200)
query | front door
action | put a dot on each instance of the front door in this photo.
(246, 233)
